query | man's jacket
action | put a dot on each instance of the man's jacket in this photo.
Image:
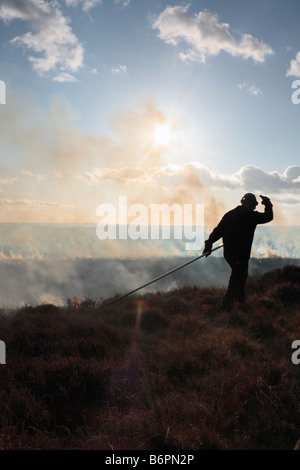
(237, 229)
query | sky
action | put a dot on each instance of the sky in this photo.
(160, 102)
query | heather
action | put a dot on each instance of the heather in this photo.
(165, 370)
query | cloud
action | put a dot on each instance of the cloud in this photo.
(192, 183)
(194, 175)
(28, 202)
(34, 175)
(248, 178)
(289, 201)
(292, 173)
(205, 35)
(120, 69)
(10, 180)
(294, 69)
(20, 209)
(86, 4)
(252, 88)
(255, 178)
(51, 39)
(121, 175)
(57, 174)
(64, 77)
(124, 3)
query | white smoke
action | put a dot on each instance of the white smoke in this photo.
(50, 264)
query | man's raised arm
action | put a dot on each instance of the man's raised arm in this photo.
(267, 215)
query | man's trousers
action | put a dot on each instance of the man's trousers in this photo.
(237, 281)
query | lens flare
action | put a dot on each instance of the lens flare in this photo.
(140, 305)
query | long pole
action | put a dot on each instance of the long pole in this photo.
(160, 277)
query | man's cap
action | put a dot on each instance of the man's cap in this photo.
(250, 198)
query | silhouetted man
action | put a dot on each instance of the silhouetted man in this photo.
(237, 229)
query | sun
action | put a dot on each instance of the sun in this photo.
(162, 134)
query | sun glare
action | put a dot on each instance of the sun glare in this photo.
(162, 134)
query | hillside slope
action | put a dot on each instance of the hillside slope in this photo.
(158, 371)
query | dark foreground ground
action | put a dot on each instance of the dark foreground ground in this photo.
(160, 371)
